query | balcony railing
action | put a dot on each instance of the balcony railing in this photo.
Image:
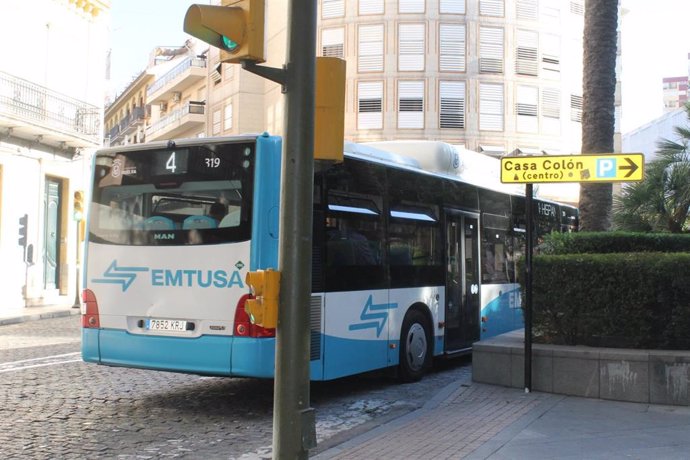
(135, 118)
(174, 73)
(194, 108)
(33, 104)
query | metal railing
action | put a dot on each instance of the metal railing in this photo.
(174, 73)
(137, 114)
(189, 108)
(40, 106)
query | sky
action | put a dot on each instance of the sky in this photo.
(655, 44)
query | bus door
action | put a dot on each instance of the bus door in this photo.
(462, 281)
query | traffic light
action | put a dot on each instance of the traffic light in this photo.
(263, 308)
(23, 225)
(78, 214)
(236, 28)
(329, 115)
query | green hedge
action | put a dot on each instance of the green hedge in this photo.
(628, 300)
(608, 242)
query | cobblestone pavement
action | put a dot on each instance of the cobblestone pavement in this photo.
(52, 405)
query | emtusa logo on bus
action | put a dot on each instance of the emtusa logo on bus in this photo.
(164, 277)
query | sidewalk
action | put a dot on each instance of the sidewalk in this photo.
(38, 312)
(479, 421)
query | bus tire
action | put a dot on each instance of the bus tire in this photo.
(415, 347)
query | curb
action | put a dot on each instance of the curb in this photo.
(25, 317)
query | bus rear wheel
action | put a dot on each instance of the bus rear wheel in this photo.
(415, 347)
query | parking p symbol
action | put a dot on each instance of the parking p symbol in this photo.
(606, 167)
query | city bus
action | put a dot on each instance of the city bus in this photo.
(414, 256)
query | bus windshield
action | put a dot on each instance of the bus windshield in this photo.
(194, 195)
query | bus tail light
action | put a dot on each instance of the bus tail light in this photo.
(244, 327)
(90, 319)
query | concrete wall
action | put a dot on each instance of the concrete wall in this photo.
(643, 376)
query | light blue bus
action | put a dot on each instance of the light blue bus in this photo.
(410, 262)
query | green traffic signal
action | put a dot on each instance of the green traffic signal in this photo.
(229, 44)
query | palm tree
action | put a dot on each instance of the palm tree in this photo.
(662, 201)
(598, 114)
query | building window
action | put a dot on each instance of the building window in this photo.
(370, 7)
(411, 104)
(332, 9)
(490, 50)
(551, 110)
(526, 52)
(411, 47)
(576, 108)
(490, 107)
(370, 105)
(550, 12)
(452, 6)
(332, 42)
(577, 7)
(452, 104)
(551, 55)
(227, 117)
(526, 10)
(410, 6)
(370, 48)
(216, 125)
(451, 47)
(494, 8)
(526, 109)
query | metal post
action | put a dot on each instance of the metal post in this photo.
(77, 303)
(529, 217)
(293, 420)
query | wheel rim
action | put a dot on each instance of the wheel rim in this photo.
(416, 347)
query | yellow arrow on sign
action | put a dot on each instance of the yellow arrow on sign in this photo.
(611, 167)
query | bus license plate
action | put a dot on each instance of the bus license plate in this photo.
(172, 325)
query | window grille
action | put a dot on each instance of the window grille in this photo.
(576, 108)
(527, 10)
(494, 8)
(551, 54)
(526, 52)
(526, 109)
(452, 6)
(228, 117)
(370, 7)
(332, 9)
(410, 6)
(332, 42)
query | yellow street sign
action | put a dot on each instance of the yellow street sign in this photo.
(611, 167)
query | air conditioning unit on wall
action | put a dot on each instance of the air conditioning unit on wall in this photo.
(177, 97)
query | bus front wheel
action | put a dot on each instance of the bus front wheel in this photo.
(415, 347)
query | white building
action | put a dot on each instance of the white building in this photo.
(52, 76)
(644, 139)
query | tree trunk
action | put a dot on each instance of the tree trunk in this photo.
(598, 105)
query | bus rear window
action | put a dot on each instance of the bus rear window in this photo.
(191, 196)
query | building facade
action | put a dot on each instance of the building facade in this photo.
(675, 92)
(51, 110)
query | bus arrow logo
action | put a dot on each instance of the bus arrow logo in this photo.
(374, 316)
(120, 275)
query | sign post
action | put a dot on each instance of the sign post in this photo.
(530, 170)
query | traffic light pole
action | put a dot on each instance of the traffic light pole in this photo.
(294, 429)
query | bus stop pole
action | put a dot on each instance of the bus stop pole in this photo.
(294, 431)
(529, 248)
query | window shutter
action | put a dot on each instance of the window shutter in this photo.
(410, 6)
(410, 104)
(490, 107)
(526, 109)
(491, 8)
(551, 110)
(576, 108)
(452, 6)
(490, 50)
(452, 105)
(551, 54)
(370, 105)
(370, 52)
(332, 9)
(227, 122)
(526, 52)
(370, 7)
(216, 128)
(526, 10)
(411, 47)
(332, 42)
(452, 47)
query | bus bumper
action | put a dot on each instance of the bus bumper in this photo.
(206, 355)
